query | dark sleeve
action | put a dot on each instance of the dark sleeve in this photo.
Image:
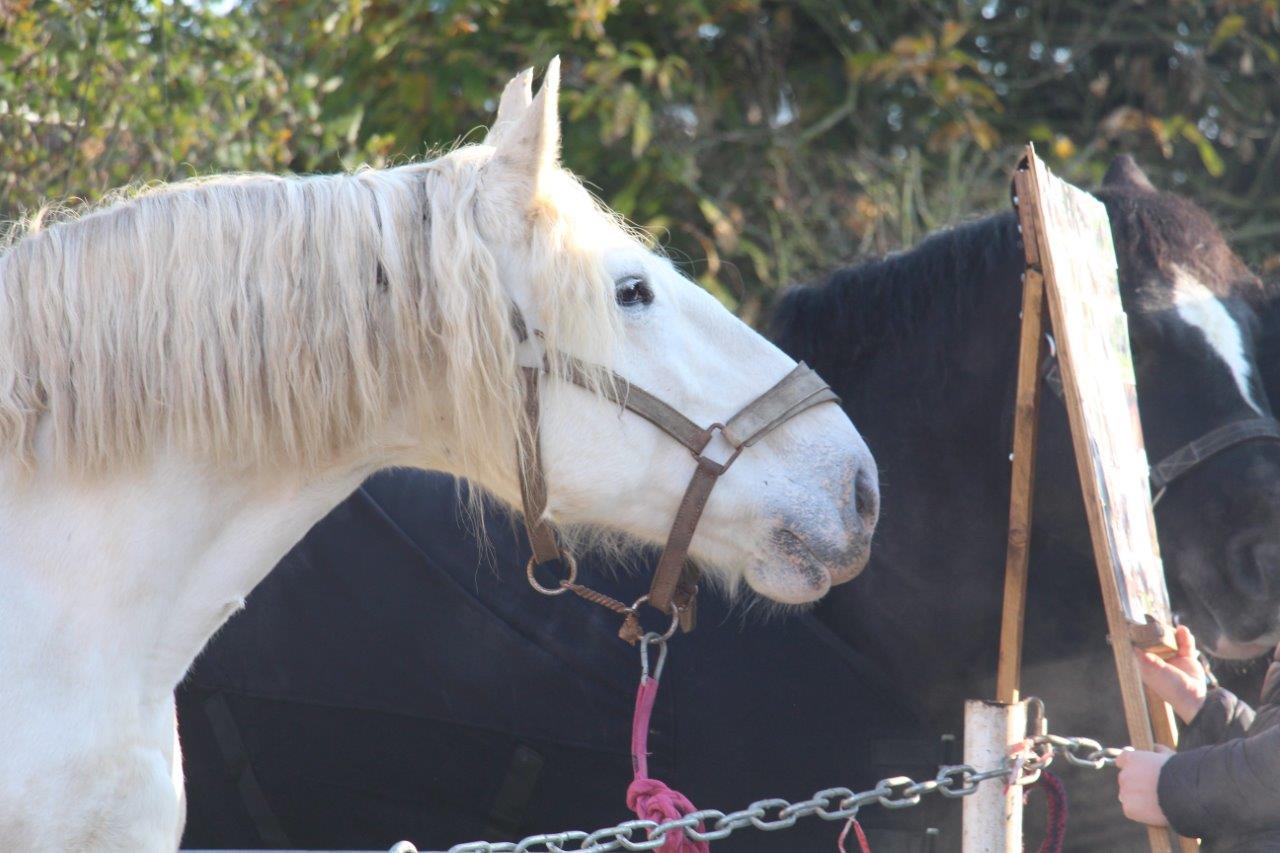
(1269, 710)
(1222, 717)
(1231, 788)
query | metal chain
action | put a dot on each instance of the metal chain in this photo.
(832, 804)
(1080, 751)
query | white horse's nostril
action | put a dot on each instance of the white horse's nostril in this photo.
(866, 497)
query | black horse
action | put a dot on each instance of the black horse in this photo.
(943, 445)
(384, 682)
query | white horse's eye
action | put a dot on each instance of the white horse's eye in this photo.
(632, 291)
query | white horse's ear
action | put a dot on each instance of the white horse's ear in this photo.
(516, 98)
(529, 146)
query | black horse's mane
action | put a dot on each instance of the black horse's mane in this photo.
(926, 298)
(921, 298)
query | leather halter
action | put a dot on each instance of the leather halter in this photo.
(675, 580)
(1191, 455)
(1185, 459)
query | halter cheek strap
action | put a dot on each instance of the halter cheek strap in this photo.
(675, 580)
(1191, 455)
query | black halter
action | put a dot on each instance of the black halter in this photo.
(1189, 456)
(1185, 459)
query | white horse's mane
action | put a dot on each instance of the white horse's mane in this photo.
(264, 322)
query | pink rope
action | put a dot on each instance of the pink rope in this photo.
(858, 834)
(649, 798)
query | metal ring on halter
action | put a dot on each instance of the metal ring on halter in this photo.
(567, 559)
(675, 619)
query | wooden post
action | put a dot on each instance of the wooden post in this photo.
(992, 816)
(1165, 729)
(1026, 419)
(1163, 725)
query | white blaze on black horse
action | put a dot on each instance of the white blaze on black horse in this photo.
(1198, 306)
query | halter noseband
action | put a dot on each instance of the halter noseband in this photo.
(1185, 459)
(1191, 455)
(675, 580)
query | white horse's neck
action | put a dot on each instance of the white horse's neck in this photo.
(130, 576)
(108, 591)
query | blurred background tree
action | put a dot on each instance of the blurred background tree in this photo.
(760, 142)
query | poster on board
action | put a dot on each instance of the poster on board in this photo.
(1092, 335)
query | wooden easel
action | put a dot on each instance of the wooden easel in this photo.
(1149, 719)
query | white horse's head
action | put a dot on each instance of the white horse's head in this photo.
(795, 514)
(348, 322)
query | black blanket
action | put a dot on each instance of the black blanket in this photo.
(388, 680)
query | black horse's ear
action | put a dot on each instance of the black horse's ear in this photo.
(1124, 173)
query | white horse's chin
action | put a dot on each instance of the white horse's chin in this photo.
(789, 582)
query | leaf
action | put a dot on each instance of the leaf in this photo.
(862, 64)
(982, 132)
(761, 262)
(952, 32)
(1039, 131)
(624, 201)
(1209, 155)
(1269, 49)
(721, 226)
(641, 128)
(1227, 28)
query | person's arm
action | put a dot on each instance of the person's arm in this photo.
(1222, 716)
(1179, 680)
(1232, 786)
(1139, 776)
(1211, 716)
(1154, 794)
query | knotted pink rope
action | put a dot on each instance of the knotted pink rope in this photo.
(858, 834)
(649, 798)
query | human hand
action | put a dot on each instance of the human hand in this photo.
(1139, 779)
(1179, 680)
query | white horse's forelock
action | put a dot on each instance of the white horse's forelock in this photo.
(265, 322)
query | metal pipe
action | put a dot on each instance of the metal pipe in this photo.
(993, 815)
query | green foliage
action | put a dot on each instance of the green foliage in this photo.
(94, 95)
(761, 142)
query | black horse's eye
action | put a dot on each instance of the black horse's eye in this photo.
(632, 291)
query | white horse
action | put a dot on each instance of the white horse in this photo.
(192, 377)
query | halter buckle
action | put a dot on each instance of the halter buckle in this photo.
(717, 466)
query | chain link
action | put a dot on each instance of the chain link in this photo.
(1080, 751)
(831, 804)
